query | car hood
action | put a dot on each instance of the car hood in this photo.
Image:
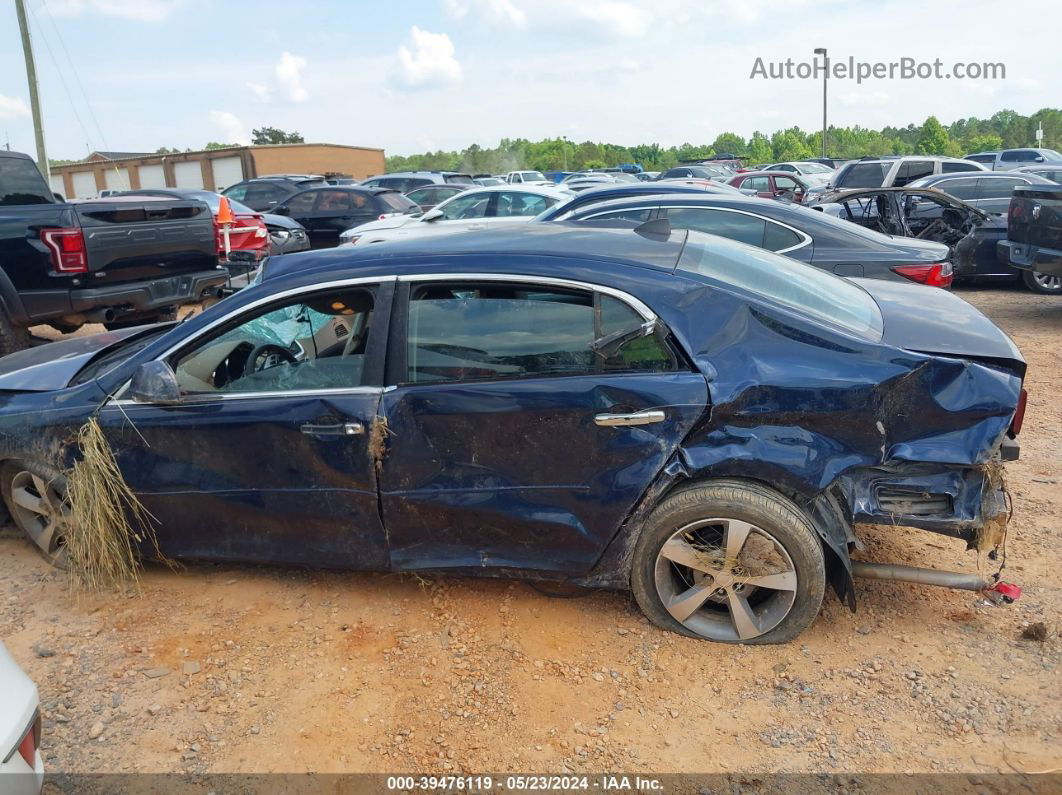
(935, 321)
(51, 366)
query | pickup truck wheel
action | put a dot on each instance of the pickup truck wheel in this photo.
(12, 338)
(729, 561)
(1042, 283)
(35, 496)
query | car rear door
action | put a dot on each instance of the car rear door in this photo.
(513, 440)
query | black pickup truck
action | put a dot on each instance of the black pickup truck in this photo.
(1034, 236)
(114, 261)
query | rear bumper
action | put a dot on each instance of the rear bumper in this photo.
(1023, 256)
(134, 297)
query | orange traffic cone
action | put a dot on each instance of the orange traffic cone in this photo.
(225, 215)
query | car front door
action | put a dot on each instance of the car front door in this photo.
(465, 212)
(527, 420)
(266, 456)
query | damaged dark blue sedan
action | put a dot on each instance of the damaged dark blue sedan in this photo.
(700, 421)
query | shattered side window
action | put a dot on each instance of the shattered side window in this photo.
(315, 343)
(781, 280)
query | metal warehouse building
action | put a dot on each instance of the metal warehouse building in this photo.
(213, 169)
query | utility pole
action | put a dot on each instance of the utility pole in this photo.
(825, 73)
(35, 101)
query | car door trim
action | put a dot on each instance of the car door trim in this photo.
(805, 237)
(634, 303)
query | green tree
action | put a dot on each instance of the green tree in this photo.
(216, 145)
(932, 138)
(759, 150)
(274, 135)
(983, 143)
(729, 142)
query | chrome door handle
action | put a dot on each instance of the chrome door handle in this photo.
(634, 418)
(342, 429)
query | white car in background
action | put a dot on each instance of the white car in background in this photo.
(813, 173)
(21, 766)
(479, 208)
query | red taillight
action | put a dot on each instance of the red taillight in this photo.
(68, 249)
(935, 275)
(27, 749)
(1019, 413)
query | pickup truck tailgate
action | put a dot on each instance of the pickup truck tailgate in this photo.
(1035, 216)
(145, 237)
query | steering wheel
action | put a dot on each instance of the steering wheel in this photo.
(266, 356)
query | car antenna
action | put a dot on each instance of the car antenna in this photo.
(657, 229)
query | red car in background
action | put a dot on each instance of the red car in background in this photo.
(775, 185)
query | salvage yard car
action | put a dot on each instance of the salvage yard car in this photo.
(472, 210)
(928, 214)
(696, 420)
(112, 261)
(1034, 238)
(795, 231)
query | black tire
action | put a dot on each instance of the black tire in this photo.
(31, 475)
(774, 519)
(1042, 283)
(12, 338)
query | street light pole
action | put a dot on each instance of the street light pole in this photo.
(31, 77)
(825, 73)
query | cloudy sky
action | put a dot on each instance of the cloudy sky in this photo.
(412, 75)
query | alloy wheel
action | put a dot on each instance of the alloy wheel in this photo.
(1048, 283)
(725, 579)
(41, 512)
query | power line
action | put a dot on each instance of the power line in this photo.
(59, 73)
(77, 76)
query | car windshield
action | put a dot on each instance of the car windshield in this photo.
(781, 280)
(534, 176)
(1051, 154)
(815, 168)
(398, 203)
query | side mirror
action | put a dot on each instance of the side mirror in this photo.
(59, 197)
(434, 214)
(1039, 159)
(280, 211)
(155, 382)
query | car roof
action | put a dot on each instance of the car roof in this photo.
(768, 172)
(560, 240)
(425, 171)
(373, 189)
(929, 178)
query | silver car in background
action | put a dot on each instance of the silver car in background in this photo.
(21, 766)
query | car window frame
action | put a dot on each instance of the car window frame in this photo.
(806, 239)
(397, 369)
(376, 344)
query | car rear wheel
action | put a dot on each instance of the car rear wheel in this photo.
(729, 561)
(35, 496)
(1042, 283)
